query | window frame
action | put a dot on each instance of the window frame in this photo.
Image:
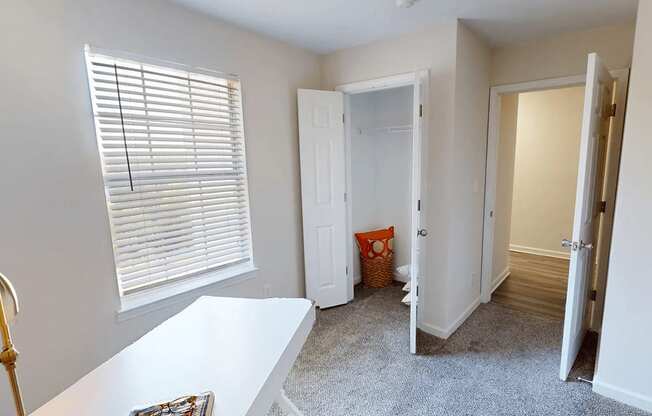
(153, 297)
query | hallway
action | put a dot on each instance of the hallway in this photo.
(537, 284)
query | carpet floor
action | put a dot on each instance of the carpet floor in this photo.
(499, 362)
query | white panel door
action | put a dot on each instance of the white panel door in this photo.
(595, 123)
(321, 142)
(418, 232)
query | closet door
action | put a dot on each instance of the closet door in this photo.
(419, 233)
(321, 143)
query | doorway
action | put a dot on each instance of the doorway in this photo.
(602, 122)
(362, 154)
(380, 171)
(538, 157)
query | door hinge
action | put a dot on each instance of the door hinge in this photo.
(603, 206)
(612, 110)
(342, 118)
(593, 295)
(417, 291)
(419, 205)
(420, 110)
(345, 197)
(347, 270)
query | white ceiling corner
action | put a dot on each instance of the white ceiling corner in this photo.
(324, 26)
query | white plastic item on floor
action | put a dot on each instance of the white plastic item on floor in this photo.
(406, 299)
(406, 287)
(404, 271)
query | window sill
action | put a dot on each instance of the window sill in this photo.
(151, 300)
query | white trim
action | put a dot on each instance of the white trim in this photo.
(160, 297)
(284, 402)
(433, 330)
(446, 333)
(392, 81)
(493, 133)
(419, 81)
(349, 197)
(539, 251)
(500, 279)
(624, 396)
(539, 85)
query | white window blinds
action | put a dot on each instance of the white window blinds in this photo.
(173, 158)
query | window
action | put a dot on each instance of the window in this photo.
(171, 143)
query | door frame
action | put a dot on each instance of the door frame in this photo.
(493, 134)
(419, 143)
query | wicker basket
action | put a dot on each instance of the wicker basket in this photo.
(378, 271)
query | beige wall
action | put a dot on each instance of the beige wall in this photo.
(504, 185)
(545, 168)
(455, 112)
(562, 55)
(624, 362)
(433, 49)
(466, 175)
(54, 232)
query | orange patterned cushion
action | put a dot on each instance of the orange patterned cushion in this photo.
(376, 243)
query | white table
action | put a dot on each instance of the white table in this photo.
(241, 349)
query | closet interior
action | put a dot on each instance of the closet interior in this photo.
(381, 134)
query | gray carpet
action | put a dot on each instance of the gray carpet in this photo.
(500, 362)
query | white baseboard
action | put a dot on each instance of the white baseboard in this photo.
(445, 333)
(500, 279)
(624, 396)
(433, 330)
(539, 251)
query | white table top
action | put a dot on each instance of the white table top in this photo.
(241, 349)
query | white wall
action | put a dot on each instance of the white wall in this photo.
(466, 176)
(624, 363)
(456, 112)
(382, 167)
(562, 55)
(55, 242)
(363, 194)
(545, 169)
(433, 49)
(504, 185)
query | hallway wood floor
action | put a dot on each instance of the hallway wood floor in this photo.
(537, 284)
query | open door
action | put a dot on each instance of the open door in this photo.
(418, 231)
(598, 101)
(321, 143)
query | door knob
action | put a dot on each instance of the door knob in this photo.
(422, 232)
(586, 245)
(569, 244)
(575, 245)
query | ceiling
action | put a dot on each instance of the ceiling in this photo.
(327, 25)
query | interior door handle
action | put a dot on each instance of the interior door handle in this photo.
(422, 232)
(574, 245)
